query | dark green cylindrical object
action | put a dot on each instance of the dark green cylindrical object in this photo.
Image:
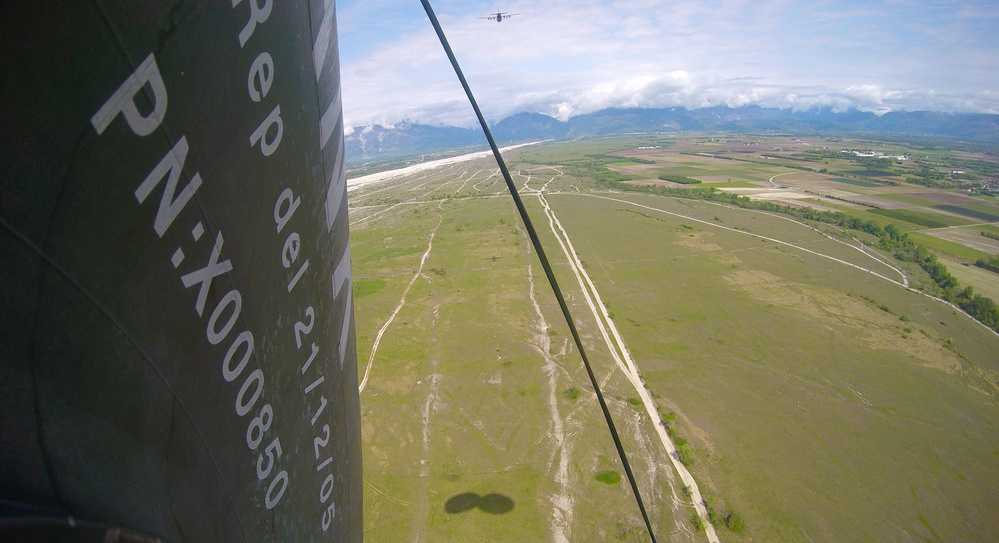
(177, 353)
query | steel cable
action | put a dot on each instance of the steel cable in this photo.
(544, 263)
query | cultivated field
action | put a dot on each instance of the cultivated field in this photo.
(805, 387)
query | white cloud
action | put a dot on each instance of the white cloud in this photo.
(564, 58)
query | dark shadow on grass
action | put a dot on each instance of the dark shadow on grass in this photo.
(492, 503)
(461, 502)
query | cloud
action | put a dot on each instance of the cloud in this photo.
(564, 58)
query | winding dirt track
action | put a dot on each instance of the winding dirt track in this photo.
(562, 499)
(402, 302)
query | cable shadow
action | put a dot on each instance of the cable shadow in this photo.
(492, 503)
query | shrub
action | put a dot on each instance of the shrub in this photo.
(714, 518)
(734, 522)
(991, 263)
(609, 477)
(685, 454)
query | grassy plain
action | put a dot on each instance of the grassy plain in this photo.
(822, 400)
(818, 414)
(457, 412)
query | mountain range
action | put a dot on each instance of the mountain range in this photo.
(375, 143)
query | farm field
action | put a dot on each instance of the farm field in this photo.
(809, 391)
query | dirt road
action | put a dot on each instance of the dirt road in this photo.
(627, 365)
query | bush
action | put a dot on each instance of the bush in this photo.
(685, 454)
(734, 522)
(714, 518)
(609, 477)
(991, 263)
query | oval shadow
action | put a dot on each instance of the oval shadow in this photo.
(492, 503)
(496, 504)
(461, 502)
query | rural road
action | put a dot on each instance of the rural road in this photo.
(562, 499)
(743, 232)
(775, 184)
(627, 365)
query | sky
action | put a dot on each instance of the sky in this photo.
(568, 57)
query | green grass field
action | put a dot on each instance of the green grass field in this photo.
(803, 374)
(818, 398)
(921, 217)
(984, 282)
(962, 252)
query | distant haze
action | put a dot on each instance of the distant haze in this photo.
(410, 139)
(563, 58)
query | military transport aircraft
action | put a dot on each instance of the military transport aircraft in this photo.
(499, 16)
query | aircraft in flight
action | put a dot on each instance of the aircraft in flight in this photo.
(499, 16)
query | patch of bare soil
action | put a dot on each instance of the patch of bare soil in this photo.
(699, 241)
